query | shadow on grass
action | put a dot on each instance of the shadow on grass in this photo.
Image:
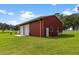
(62, 36)
(66, 35)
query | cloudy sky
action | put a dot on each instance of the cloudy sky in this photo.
(18, 13)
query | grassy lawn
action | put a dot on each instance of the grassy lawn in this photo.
(68, 43)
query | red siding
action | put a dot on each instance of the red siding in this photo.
(35, 28)
(52, 22)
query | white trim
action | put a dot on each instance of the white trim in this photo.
(47, 32)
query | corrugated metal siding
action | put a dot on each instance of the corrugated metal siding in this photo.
(35, 28)
(52, 22)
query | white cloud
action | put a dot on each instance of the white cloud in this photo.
(71, 11)
(75, 10)
(13, 22)
(6, 12)
(2, 11)
(27, 15)
(67, 12)
(10, 13)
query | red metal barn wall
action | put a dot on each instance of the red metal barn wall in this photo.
(52, 22)
(38, 28)
(35, 28)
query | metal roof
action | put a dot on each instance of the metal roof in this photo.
(35, 19)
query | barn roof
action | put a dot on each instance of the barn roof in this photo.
(35, 19)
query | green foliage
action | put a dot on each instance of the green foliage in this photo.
(70, 20)
(4, 26)
(16, 27)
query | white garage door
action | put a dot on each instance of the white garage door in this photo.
(26, 30)
(21, 30)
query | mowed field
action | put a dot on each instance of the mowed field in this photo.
(67, 44)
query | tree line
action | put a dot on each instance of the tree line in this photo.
(69, 20)
(4, 26)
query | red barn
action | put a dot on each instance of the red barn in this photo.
(42, 26)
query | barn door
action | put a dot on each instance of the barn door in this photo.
(21, 30)
(47, 32)
(26, 30)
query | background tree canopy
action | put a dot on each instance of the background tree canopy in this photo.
(69, 20)
(4, 26)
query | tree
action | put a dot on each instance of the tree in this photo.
(69, 20)
(4, 26)
(16, 27)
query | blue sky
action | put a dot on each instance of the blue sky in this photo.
(18, 13)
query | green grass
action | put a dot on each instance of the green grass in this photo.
(66, 44)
